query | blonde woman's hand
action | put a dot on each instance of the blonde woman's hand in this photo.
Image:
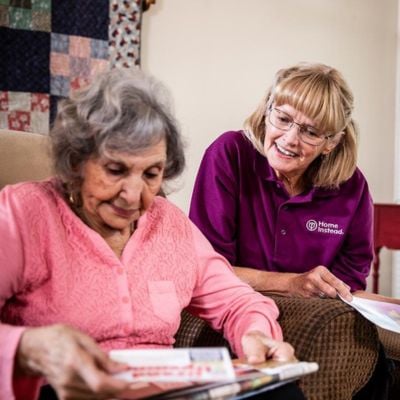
(70, 361)
(257, 347)
(318, 282)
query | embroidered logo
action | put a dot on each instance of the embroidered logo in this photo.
(324, 227)
(311, 225)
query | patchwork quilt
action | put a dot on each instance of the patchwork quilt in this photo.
(48, 47)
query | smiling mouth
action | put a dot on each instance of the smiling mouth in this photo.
(123, 212)
(285, 152)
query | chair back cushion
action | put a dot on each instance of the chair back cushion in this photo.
(24, 156)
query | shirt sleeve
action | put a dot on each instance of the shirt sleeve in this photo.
(214, 202)
(11, 270)
(225, 302)
(353, 262)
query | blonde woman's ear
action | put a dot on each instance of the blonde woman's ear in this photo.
(333, 141)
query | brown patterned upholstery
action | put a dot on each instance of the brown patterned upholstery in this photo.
(343, 343)
(391, 342)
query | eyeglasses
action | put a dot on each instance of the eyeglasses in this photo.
(284, 122)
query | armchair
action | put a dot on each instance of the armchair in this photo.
(330, 332)
(327, 331)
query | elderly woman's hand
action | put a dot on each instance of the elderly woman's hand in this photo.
(257, 347)
(70, 361)
(318, 282)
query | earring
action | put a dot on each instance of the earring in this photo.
(71, 198)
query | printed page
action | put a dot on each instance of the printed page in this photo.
(205, 364)
(278, 370)
(385, 315)
(161, 373)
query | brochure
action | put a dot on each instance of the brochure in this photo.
(384, 314)
(200, 373)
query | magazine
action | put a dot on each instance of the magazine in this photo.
(381, 313)
(200, 373)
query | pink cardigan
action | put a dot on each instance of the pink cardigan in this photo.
(55, 269)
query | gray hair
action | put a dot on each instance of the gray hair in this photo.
(121, 110)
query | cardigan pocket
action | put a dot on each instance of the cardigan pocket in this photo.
(164, 300)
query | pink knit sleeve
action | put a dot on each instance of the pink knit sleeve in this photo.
(227, 303)
(11, 270)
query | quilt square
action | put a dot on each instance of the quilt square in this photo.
(72, 62)
(25, 60)
(60, 85)
(60, 64)
(40, 102)
(41, 5)
(3, 120)
(19, 101)
(99, 49)
(39, 122)
(41, 21)
(59, 43)
(80, 67)
(79, 46)
(24, 111)
(98, 66)
(19, 120)
(81, 18)
(20, 18)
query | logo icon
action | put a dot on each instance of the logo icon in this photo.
(311, 225)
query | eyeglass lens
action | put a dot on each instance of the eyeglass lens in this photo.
(283, 121)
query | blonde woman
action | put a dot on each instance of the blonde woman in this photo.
(283, 199)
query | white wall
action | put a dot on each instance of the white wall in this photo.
(218, 57)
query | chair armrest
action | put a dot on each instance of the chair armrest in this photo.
(391, 343)
(194, 332)
(338, 338)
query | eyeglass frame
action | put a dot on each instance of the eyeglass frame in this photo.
(302, 128)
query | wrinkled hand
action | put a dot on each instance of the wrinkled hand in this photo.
(257, 347)
(70, 361)
(319, 282)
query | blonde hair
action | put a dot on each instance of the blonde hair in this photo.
(319, 92)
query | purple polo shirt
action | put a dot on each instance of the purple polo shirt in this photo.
(244, 210)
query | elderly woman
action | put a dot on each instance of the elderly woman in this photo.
(93, 259)
(283, 200)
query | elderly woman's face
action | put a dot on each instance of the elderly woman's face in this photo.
(286, 153)
(119, 187)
